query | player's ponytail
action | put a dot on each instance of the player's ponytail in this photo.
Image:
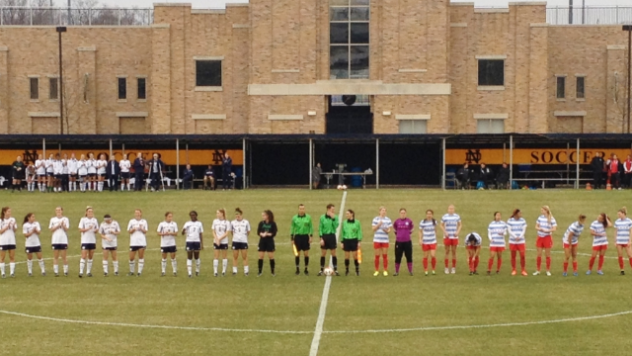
(515, 213)
(624, 211)
(223, 212)
(547, 211)
(238, 211)
(27, 217)
(3, 212)
(581, 218)
(471, 239)
(604, 220)
(270, 215)
(434, 222)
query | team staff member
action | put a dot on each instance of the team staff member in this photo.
(227, 168)
(167, 230)
(193, 230)
(517, 227)
(623, 225)
(600, 241)
(451, 226)
(403, 245)
(7, 240)
(381, 226)
(221, 227)
(350, 240)
(139, 172)
(327, 232)
(545, 226)
(597, 165)
(266, 230)
(124, 166)
(156, 167)
(109, 231)
(112, 172)
(301, 231)
(209, 178)
(571, 242)
(88, 226)
(137, 228)
(496, 232)
(32, 245)
(473, 242)
(428, 240)
(240, 229)
(59, 225)
(18, 174)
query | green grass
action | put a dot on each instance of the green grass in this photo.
(288, 302)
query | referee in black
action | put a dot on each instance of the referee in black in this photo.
(301, 232)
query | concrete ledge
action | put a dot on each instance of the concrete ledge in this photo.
(491, 56)
(490, 88)
(208, 58)
(616, 47)
(502, 116)
(461, 4)
(412, 70)
(352, 87)
(569, 113)
(237, 4)
(412, 117)
(208, 11)
(160, 25)
(202, 89)
(539, 25)
(241, 25)
(43, 114)
(132, 114)
(208, 116)
(491, 11)
(286, 71)
(4, 49)
(526, 3)
(285, 117)
(458, 24)
(87, 49)
(169, 4)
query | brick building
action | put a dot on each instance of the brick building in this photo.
(318, 66)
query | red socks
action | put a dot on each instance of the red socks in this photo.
(377, 262)
(548, 263)
(447, 263)
(565, 266)
(470, 263)
(500, 262)
(591, 263)
(538, 263)
(434, 262)
(513, 260)
(425, 264)
(385, 260)
(621, 263)
(630, 262)
(476, 263)
(490, 263)
(601, 259)
(523, 261)
(575, 266)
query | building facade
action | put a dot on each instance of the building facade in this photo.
(318, 66)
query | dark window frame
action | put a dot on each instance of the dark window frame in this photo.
(208, 73)
(560, 87)
(121, 84)
(488, 74)
(34, 88)
(351, 33)
(580, 92)
(53, 88)
(141, 90)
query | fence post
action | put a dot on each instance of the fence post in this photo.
(90, 17)
(119, 17)
(31, 16)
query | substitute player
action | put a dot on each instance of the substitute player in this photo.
(59, 225)
(101, 170)
(91, 165)
(403, 245)
(350, 240)
(571, 242)
(167, 230)
(32, 245)
(301, 232)
(58, 174)
(240, 229)
(517, 228)
(381, 226)
(194, 241)
(125, 166)
(545, 226)
(266, 230)
(137, 228)
(88, 226)
(40, 169)
(7, 240)
(109, 231)
(50, 173)
(496, 232)
(623, 225)
(428, 240)
(221, 227)
(82, 171)
(473, 242)
(73, 168)
(600, 242)
(327, 232)
(451, 226)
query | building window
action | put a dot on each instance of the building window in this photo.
(142, 88)
(349, 39)
(53, 88)
(34, 88)
(581, 88)
(208, 73)
(412, 126)
(490, 126)
(561, 88)
(122, 88)
(491, 72)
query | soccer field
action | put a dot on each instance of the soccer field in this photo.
(366, 315)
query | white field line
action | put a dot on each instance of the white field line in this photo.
(318, 331)
(75, 256)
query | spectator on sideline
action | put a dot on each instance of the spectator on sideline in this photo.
(484, 175)
(627, 172)
(316, 172)
(209, 177)
(463, 175)
(503, 177)
(597, 166)
(227, 168)
(139, 172)
(187, 177)
(112, 172)
(612, 165)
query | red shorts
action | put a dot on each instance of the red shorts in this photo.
(428, 247)
(473, 248)
(517, 247)
(497, 249)
(600, 248)
(450, 242)
(377, 245)
(569, 246)
(544, 242)
(624, 246)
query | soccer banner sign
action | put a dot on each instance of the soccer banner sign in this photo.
(192, 157)
(529, 156)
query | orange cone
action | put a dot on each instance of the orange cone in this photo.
(588, 186)
(608, 186)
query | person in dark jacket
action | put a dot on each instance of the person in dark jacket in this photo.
(156, 167)
(139, 172)
(502, 178)
(209, 178)
(227, 168)
(484, 175)
(597, 166)
(463, 175)
(112, 172)
(187, 177)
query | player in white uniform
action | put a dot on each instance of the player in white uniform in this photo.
(40, 169)
(58, 171)
(240, 229)
(82, 171)
(428, 240)
(623, 226)
(600, 241)
(545, 226)
(32, 245)
(109, 231)
(194, 242)
(496, 232)
(65, 172)
(517, 227)
(571, 242)
(91, 164)
(382, 226)
(31, 177)
(50, 172)
(473, 242)
(167, 230)
(125, 166)
(59, 225)
(101, 164)
(7, 240)
(451, 226)
(88, 226)
(73, 168)
(221, 227)
(137, 228)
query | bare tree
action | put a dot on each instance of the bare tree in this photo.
(620, 96)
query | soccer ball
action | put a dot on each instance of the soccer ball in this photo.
(344, 187)
(339, 187)
(328, 271)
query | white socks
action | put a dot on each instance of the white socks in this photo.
(141, 264)
(105, 266)
(197, 265)
(65, 269)
(215, 265)
(224, 265)
(132, 265)
(115, 264)
(82, 264)
(56, 269)
(42, 267)
(174, 265)
(2, 268)
(189, 266)
(29, 266)
(246, 269)
(100, 185)
(89, 267)
(164, 265)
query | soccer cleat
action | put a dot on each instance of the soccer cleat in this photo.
(13, 275)
(453, 270)
(600, 272)
(245, 274)
(575, 274)
(524, 273)
(447, 270)
(80, 275)
(336, 273)
(138, 275)
(548, 273)
(433, 272)
(564, 274)
(223, 274)
(56, 275)
(105, 274)
(377, 273)
(297, 272)
(175, 274)
(497, 272)
(513, 273)
(197, 273)
(30, 274)
(214, 274)
(489, 273)
(358, 273)
(346, 273)
(65, 274)
(273, 275)
(471, 273)
(116, 273)
(89, 274)
(589, 272)
(623, 273)
(190, 275)
(395, 274)
(385, 274)
(306, 272)
(130, 274)
(163, 274)
(411, 274)
(234, 273)
(320, 273)
(43, 274)
(258, 275)
(536, 273)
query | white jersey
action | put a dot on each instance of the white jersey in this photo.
(91, 164)
(82, 167)
(50, 164)
(240, 230)
(598, 228)
(125, 166)
(451, 222)
(8, 237)
(33, 240)
(479, 239)
(194, 230)
(64, 164)
(573, 231)
(58, 167)
(381, 234)
(109, 231)
(496, 232)
(221, 228)
(59, 235)
(170, 228)
(623, 227)
(429, 231)
(545, 224)
(101, 164)
(517, 229)
(88, 237)
(137, 238)
(73, 165)
(40, 167)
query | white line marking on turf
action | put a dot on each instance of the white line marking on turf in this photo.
(75, 256)
(318, 331)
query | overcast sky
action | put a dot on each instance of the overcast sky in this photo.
(218, 4)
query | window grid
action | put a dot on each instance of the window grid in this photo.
(142, 88)
(53, 92)
(490, 126)
(33, 88)
(122, 88)
(581, 88)
(413, 126)
(560, 88)
(356, 50)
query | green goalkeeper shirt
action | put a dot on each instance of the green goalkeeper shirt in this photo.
(302, 225)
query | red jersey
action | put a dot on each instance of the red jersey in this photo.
(614, 166)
